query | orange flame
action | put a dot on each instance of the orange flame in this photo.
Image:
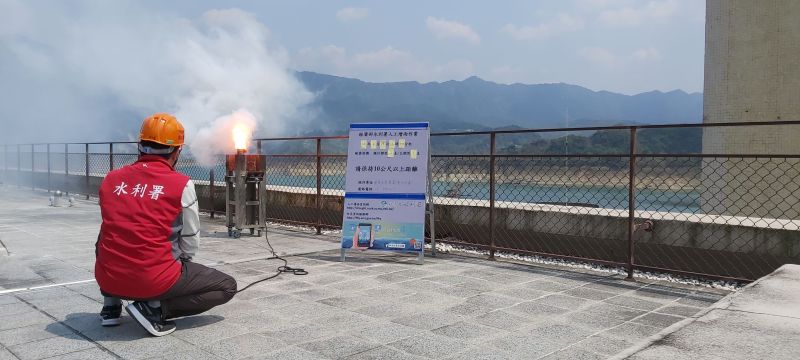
(241, 136)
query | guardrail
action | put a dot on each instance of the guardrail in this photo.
(718, 209)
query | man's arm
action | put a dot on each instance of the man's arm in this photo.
(190, 235)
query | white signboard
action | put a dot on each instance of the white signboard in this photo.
(386, 183)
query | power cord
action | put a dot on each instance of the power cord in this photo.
(285, 268)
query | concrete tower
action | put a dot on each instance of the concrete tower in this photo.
(752, 73)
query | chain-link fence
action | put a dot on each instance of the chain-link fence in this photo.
(724, 199)
(305, 180)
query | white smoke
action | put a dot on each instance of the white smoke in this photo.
(217, 139)
(92, 70)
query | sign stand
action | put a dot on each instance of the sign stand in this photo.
(386, 204)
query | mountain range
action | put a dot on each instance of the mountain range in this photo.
(477, 104)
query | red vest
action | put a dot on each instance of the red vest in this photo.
(141, 208)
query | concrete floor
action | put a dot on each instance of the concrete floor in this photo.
(761, 321)
(374, 306)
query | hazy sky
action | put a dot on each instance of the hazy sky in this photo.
(626, 46)
(91, 69)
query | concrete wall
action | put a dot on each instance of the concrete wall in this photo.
(743, 247)
(733, 246)
(752, 73)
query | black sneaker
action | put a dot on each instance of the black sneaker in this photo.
(111, 315)
(150, 318)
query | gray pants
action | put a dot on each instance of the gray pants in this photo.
(198, 289)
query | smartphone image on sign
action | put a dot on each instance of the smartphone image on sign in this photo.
(364, 234)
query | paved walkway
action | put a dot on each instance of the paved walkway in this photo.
(761, 321)
(374, 306)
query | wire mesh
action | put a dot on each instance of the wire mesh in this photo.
(25, 157)
(291, 187)
(5, 161)
(99, 159)
(466, 144)
(547, 205)
(74, 162)
(563, 193)
(57, 156)
(332, 176)
(67, 175)
(461, 188)
(123, 154)
(200, 173)
(729, 216)
(39, 161)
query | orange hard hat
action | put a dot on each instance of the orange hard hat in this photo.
(163, 129)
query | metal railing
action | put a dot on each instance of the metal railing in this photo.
(719, 210)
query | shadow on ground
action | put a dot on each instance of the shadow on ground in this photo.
(129, 330)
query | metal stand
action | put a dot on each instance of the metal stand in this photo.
(245, 203)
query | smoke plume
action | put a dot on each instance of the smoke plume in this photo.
(92, 70)
(217, 138)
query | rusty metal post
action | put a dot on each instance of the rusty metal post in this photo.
(19, 166)
(319, 186)
(212, 191)
(110, 157)
(33, 166)
(631, 200)
(66, 168)
(5, 163)
(492, 160)
(48, 168)
(431, 201)
(86, 163)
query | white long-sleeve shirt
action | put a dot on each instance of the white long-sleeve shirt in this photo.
(188, 243)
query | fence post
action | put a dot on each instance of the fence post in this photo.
(212, 190)
(319, 186)
(48, 168)
(631, 200)
(19, 166)
(258, 147)
(86, 163)
(33, 166)
(66, 168)
(492, 154)
(110, 157)
(5, 163)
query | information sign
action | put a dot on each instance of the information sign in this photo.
(385, 187)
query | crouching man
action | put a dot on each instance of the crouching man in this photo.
(149, 235)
